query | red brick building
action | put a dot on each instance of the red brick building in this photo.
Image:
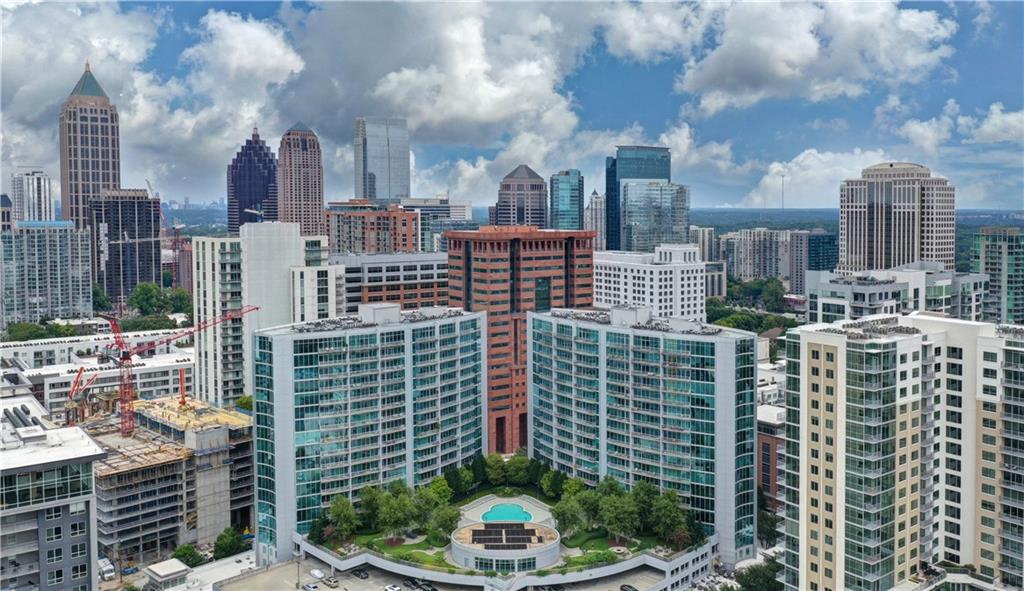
(507, 271)
(771, 443)
(359, 226)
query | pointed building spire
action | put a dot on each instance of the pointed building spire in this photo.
(87, 68)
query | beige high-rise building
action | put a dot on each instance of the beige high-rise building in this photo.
(300, 180)
(904, 454)
(896, 213)
(90, 148)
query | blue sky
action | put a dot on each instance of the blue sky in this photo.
(743, 94)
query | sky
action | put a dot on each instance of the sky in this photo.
(744, 94)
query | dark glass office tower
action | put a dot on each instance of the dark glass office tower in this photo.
(630, 162)
(252, 184)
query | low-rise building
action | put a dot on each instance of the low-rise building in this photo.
(670, 280)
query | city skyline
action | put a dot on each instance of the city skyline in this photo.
(918, 98)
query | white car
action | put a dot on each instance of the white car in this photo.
(316, 574)
(392, 588)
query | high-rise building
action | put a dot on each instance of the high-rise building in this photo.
(522, 199)
(46, 272)
(440, 210)
(903, 453)
(49, 501)
(705, 239)
(507, 271)
(90, 148)
(637, 397)
(252, 184)
(6, 213)
(771, 453)
(381, 159)
(365, 227)
(653, 213)
(31, 196)
(412, 280)
(125, 241)
(999, 253)
(896, 213)
(254, 269)
(438, 228)
(810, 250)
(670, 281)
(755, 253)
(413, 408)
(300, 180)
(920, 286)
(630, 162)
(566, 210)
(594, 219)
(715, 281)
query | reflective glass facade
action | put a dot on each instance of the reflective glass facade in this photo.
(653, 213)
(567, 200)
(252, 184)
(630, 162)
(381, 159)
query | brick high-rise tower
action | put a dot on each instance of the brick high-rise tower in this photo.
(300, 180)
(90, 148)
(507, 271)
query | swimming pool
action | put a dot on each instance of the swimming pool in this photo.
(506, 512)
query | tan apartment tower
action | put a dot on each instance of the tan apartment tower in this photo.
(300, 180)
(896, 213)
(90, 148)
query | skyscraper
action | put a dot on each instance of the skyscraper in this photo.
(300, 180)
(381, 159)
(630, 162)
(507, 271)
(653, 213)
(896, 213)
(999, 252)
(252, 184)
(30, 195)
(567, 200)
(594, 219)
(125, 240)
(522, 199)
(90, 148)
(810, 250)
(705, 239)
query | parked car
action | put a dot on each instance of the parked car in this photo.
(392, 588)
(331, 582)
(359, 573)
(627, 588)
(129, 570)
(310, 587)
(409, 584)
(316, 574)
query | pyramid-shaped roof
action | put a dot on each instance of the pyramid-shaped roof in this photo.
(523, 172)
(300, 126)
(88, 85)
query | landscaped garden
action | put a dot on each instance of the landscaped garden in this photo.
(598, 525)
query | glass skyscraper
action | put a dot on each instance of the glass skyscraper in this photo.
(630, 162)
(637, 397)
(566, 200)
(653, 213)
(252, 184)
(382, 159)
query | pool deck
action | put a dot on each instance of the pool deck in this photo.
(473, 512)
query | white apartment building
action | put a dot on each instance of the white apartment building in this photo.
(31, 195)
(705, 239)
(670, 280)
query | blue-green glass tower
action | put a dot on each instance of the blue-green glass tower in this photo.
(566, 200)
(630, 162)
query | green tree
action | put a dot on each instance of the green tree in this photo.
(644, 494)
(100, 300)
(496, 471)
(573, 487)
(148, 299)
(396, 514)
(680, 538)
(369, 506)
(590, 503)
(398, 487)
(166, 278)
(568, 515)
(440, 487)
(619, 516)
(26, 331)
(695, 528)
(179, 300)
(342, 515)
(316, 530)
(609, 487)
(760, 577)
(468, 479)
(425, 502)
(666, 514)
(535, 471)
(517, 470)
(155, 322)
(454, 480)
(228, 543)
(551, 483)
(479, 468)
(244, 402)
(445, 519)
(188, 554)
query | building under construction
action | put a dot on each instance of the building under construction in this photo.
(183, 477)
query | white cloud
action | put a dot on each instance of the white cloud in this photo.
(654, 31)
(816, 52)
(931, 134)
(891, 110)
(983, 18)
(687, 153)
(996, 126)
(812, 178)
(836, 124)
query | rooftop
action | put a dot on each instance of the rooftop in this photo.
(92, 339)
(94, 364)
(496, 536)
(167, 569)
(125, 454)
(37, 443)
(88, 85)
(370, 315)
(300, 126)
(194, 415)
(773, 415)
(524, 172)
(517, 232)
(870, 328)
(642, 319)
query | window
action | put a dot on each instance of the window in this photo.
(78, 550)
(76, 508)
(78, 529)
(54, 533)
(54, 555)
(55, 577)
(79, 571)
(53, 513)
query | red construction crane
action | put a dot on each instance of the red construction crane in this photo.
(77, 399)
(123, 353)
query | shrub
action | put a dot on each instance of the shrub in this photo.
(542, 572)
(490, 573)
